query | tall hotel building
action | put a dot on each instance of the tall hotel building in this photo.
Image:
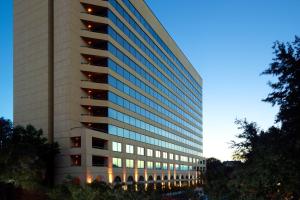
(107, 82)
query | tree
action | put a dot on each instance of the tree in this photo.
(5, 131)
(25, 156)
(261, 171)
(286, 91)
(271, 164)
(216, 178)
(286, 94)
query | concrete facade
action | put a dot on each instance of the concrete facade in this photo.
(62, 84)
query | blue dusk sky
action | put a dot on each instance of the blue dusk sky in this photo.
(229, 42)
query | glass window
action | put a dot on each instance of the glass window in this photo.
(126, 89)
(157, 165)
(112, 113)
(120, 85)
(157, 154)
(117, 162)
(171, 156)
(129, 163)
(149, 152)
(126, 119)
(116, 146)
(165, 155)
(112, 130)
(176, 157)
(150, 165)
(75, 160)
(132, 135)
(140, 164)
(183, 158)
(120, 132)
(129, 148)
(171, 167)
(140, 151)
(126, 133)
(165, 166)
(120, 116)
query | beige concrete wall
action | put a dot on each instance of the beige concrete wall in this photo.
(31, 77)
(67, 80)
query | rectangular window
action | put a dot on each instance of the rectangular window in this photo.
(126, 133)
(99, 161)
(129, 163)
(165, 155)
(171, 167)
(75, 142)
(171, 156)
(150, 165)
(116, 146)
(140, 151)
(165, 166)
(176, 157)
(184, 158)
(149, 152)
(75, 160)
(129, 148)
(157, 154)
(117, 162)
(157, 165)
(140, 164)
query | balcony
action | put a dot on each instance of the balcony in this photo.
(94, 10)
(92, 60)
(99, 161)
(93, 43)
(75, 142)
(95, 111)
(94, 77)
(95, 94)
(75, 160)
(98, 143)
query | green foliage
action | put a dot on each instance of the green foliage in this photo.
(261, 170)
(270, 167)
(271, 158)
(69, 190)
(25, 156)
(286, 94)
(286, 91)
(6, 128)
(96, 191)
(216, 179)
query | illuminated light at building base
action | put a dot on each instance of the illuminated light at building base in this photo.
(89, 179)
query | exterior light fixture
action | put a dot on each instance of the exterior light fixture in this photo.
(89, 10)
(89, 179)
